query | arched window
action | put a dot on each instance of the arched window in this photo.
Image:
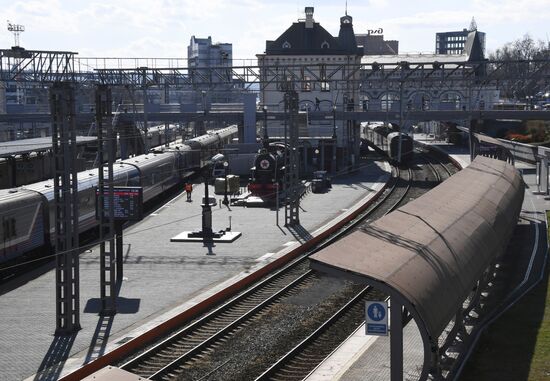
(286, 45)
(325, 45)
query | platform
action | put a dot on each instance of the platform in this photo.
(161, 278)
(367, 358)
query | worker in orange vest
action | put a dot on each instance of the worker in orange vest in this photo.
(188, 190)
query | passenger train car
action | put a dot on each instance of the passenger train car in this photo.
(27, 213)
(33, 167)
(385, 139)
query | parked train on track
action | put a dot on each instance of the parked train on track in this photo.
(27, 213)
(267, 174)
(385, 139)
(29, 168)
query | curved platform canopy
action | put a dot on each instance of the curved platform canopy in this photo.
(431, 253)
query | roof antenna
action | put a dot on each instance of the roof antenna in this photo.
(16, 29)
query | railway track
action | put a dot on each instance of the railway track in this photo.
(164, 358)
(298, 363)
(309, 353)
(191, 352)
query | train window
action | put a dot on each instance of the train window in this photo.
(13, 230)
(134, 180)
(87, 200)
(5, 230)
(164, 171)
(306, 84)
(8, 225)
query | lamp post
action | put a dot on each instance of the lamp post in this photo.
(317, 161)
(529, 99)
(265, 138)
(204, 111)
(207, 233)
(333, 162)
(206, 209)
(334, 122)
(225, 200)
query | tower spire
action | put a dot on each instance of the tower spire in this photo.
(473, 25)
(346, 7)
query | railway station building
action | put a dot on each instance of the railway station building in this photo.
(306, 42)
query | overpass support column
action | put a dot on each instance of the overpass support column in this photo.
(322, 163)
(67, 273)
(107, 249)
(248, 132)
(543, 176)
(396, 339)
(474, 123)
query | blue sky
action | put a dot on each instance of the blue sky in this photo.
(139, 28)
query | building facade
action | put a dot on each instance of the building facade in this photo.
(201, 52)
(306, 42)
(455, 42)
(461, 92)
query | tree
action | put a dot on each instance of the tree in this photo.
(520, 79)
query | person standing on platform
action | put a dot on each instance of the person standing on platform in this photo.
(188, 190)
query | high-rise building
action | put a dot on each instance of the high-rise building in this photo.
(454, 42)
(202, 53)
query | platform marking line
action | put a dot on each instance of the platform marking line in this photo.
(167, 204)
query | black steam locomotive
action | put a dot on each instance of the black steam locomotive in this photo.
(267, 174)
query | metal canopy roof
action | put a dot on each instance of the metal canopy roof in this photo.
(19, 147)
(431, 252)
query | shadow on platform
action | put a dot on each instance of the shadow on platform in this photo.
(123, 305)
(104, 325)
(299, 233)
(53, 362)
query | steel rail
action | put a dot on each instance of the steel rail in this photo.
(264, 286)
(170, 370)
(297, 372)
(409, 185)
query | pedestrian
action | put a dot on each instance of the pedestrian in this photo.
(350, 104)
(188, 190)
(317, 103)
